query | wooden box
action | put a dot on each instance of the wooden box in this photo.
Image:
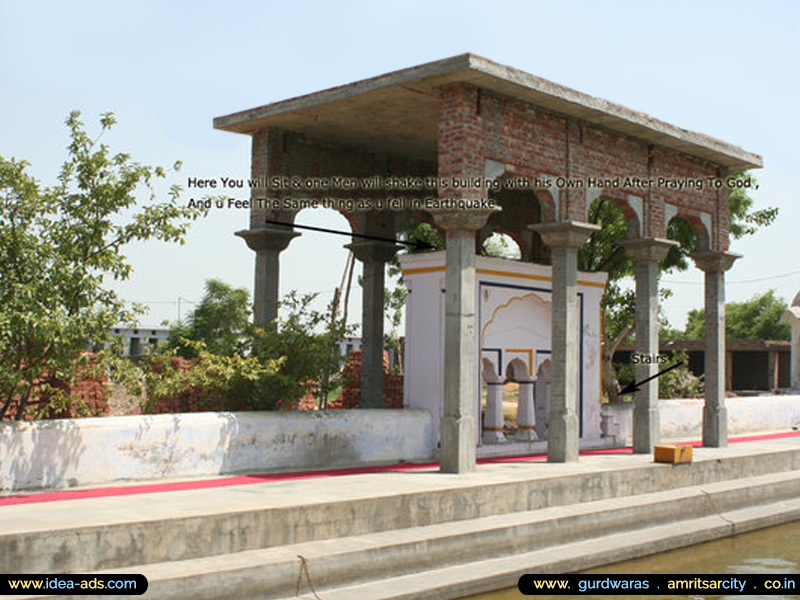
(669, 453)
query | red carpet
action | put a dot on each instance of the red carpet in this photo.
(149, 488)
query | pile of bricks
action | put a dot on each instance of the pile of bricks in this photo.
(192, 399)
(87, 397)
(351, 388)
(307, 402)
(196, 399)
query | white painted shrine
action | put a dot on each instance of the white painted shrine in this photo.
(513, 326)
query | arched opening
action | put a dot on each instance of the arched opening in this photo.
(520, 208)
(692, 236)
(501, 245)
(690, 233)
(298, 265)
(601, 252)
(322, 258)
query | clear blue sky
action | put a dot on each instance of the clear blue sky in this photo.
(726, 69)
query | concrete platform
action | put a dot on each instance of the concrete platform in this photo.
(435, 535)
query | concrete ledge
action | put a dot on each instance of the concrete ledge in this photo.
(460, 556)
(110, 533)
(76, 452)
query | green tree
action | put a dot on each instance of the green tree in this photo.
(306, 341)
(57, 246)
(394, 301)
(221, 382)
(743, 220)
(602, 253)
(221, 321)
(618, 304)
(267, 369)
(498, 246)
(755, 319)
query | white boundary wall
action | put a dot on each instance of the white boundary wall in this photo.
(78, 452)
(36, 455)
(682, 419)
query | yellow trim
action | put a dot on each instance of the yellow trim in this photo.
(493, 429)
(525, 427)
(524, 351)
(423, 270)
(596, 284)
(511, 274)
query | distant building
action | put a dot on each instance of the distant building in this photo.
(750, 365)
(348, 345)
(140, 341)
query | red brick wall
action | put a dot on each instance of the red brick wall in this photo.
(476, 125)
(461, 137)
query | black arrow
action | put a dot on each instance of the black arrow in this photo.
(633, 387)
(418, 245)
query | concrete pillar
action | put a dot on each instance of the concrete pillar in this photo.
(792, 316)
(374, 256)
(564, 238)
(457, 426)
(268, 243)
(542, 399)
(493, 417)
(526, 418)
(646, 254)
(772, 370)
(715, 414)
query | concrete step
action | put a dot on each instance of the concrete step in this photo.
(163, 528)
(458, 581)
(354, 560)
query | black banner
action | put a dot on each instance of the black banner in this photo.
(534, 585)
(76, 585)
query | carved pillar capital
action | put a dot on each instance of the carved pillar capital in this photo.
(648, 249)
(565, 234)
(268, 238)
(714, 262)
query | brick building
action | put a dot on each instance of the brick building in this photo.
(453, 143)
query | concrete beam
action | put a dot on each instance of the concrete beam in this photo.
(395, 111)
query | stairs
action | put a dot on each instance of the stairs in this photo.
(452, 536)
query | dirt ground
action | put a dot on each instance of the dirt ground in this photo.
(121, 403)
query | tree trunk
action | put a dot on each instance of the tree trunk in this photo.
(23, 403)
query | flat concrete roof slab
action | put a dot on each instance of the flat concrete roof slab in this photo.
(397, 112)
